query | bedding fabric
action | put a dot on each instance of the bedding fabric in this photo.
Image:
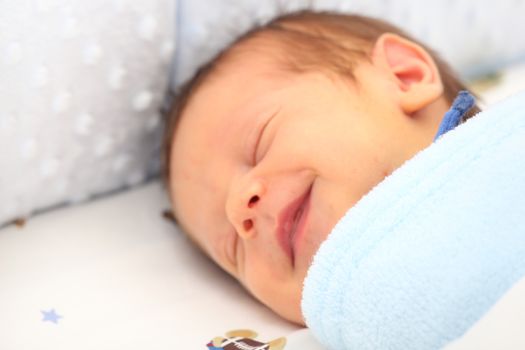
(113, 274)
(421, 258)
(81, 84)
(475, 37)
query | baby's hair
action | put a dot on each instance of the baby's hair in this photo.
(328, 42)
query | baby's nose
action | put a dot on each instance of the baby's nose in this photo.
(247, 224)
(242, 207)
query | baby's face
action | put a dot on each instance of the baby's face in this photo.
(264, 163)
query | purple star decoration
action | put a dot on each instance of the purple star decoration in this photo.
(50, 316)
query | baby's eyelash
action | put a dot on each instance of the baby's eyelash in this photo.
(256, 147)
(258, 141)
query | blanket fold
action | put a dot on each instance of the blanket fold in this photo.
(423, 256)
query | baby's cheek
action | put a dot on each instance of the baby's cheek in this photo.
(257, 273)
(279, 291)
(282, 298)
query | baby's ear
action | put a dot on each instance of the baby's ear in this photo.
(412, 69)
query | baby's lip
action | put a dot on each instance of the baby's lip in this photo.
(291, 222)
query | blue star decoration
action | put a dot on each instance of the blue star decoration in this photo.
(51, 316)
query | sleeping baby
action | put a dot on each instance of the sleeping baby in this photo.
(272, 141)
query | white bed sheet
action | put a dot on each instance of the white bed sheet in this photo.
(121, 277)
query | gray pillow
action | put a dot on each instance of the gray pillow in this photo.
(476, 37)
(81, 83)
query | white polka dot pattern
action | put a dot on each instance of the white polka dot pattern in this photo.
(13, 53)
(91, 54)
(142, 100)
(147, 27)
(116, 77)
(28, 148)
(81, 84)
(40, 76)
(474, 36)
(61, 101)
(83, 123)
(70, 28)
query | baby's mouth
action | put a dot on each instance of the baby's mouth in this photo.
(291, 223)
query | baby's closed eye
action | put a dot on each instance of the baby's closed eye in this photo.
(256, 155)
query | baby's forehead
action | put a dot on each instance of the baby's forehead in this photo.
(263, 51)
(249, 69)
(290, 52)
(275, 52)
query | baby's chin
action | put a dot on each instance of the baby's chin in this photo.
(289, 309)
(288, 305)
(295, 316)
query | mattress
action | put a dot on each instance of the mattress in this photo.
(113, 273)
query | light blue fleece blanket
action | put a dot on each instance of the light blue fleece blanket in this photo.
(428, 251)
